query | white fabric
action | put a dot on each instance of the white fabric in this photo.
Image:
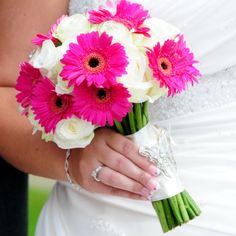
(205, 152)
(205, 139)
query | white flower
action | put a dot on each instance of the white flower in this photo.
(118, 31)
(73, 133)
(46, 57)
(37, 127)
(72, 26)
(155, 92)
(160, 31)
(62, 86)
(66, 46)
(140, 84)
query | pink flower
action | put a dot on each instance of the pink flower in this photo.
(101, 105)
(49, 36)
(132, 15)
(49, 107)
(172, 65)
(27, 79)
(95, 59)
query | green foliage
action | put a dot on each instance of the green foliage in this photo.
(37, 198)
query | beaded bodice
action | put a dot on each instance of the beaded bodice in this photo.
(82, 6)
(213, 90)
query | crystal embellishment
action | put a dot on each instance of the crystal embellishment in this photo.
(161, 154)
(212, 91)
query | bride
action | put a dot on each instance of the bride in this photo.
(202, 122)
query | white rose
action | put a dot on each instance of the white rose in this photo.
(140, 84)
(160, 31)
(147, 91)
(66, 46)
(73, 133)
(37, 127)
(118, 31)
(46, 57)
(155, 91)
(72, 26)
(62, 86)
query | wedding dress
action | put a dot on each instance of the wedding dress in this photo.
(202, 122)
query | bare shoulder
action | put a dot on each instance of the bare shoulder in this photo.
(19, 22)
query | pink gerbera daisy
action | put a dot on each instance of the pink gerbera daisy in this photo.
(132, 15)
(49, 36)
(101, 105)
(48, 106)
(27, 79)
(95, 59)
(172, 65)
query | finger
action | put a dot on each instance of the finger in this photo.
(124, 166)
(116, 180)
(105, 189)
(128, 149)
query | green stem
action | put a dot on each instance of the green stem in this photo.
(145, 120)
(125, 124)
(183, 211)
(132, 122)
(169, 215)
(157, 205)
(175, 209)
(138, 115)
(190, 211)
(192, 203)
(145, 112)
(119, 127)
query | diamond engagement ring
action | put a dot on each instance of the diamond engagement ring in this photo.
(95, 173)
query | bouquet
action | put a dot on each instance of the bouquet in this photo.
(101, 69)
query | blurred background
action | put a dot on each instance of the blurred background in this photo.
(39, 190)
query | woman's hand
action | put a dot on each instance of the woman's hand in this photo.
(124, 173)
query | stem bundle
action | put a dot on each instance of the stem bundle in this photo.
(175, 210)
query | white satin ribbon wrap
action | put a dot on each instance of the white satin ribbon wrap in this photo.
(155, 144)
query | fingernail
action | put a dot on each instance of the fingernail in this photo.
(158, 186)
(153, 184)
(153, 170)
(145, 192)
(143, 198)
(151, 193)
(149, 198)
(157, 172)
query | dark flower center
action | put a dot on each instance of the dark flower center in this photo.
(59, 102)
(164, 66)
(101, 93)
(94, 62)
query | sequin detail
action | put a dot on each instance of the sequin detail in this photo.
(76, 6)
(212, 91)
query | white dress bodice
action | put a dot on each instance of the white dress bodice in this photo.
(213, 42)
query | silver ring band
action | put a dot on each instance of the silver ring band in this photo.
(95, 173)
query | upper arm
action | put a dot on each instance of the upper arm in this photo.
(20, 21)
